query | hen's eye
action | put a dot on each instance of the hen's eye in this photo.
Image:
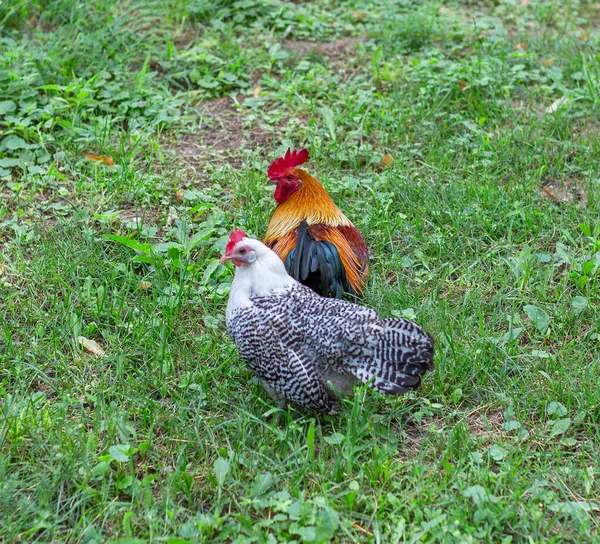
(243, 250)
(290, 177)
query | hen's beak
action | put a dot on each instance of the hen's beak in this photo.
(225, 258)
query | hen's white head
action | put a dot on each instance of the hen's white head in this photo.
(259, 270)
(244, 251)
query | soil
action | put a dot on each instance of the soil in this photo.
(564, 192)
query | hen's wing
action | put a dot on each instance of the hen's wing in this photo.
(329, 326)
(390, 354)
(284, 366)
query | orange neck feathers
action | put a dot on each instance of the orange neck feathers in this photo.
(310, 202)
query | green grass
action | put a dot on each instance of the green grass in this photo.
(485, 228)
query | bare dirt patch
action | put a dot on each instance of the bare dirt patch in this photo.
(586, 130)
(334, 49)
(485, 421)
(144, 216)
(228, 132)
(337, 53)
(417, 432)
(225, 135)
(564, 192)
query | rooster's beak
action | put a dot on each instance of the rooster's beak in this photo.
(272, 182)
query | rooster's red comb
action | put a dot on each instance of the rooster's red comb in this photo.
(289, 160)
(235, 236)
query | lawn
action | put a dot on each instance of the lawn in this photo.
(462, 139)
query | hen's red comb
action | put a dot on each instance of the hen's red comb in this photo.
(289, 160)
(235, 236)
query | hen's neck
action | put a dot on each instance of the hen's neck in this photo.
(260, 278)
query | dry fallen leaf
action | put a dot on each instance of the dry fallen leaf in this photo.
(549, 61)
(551, 194)
(171, 218)
(90, 345)
(145, 285)
(179, 195)
(387, 160)
(256, 91)
(565, 193)
(521, 46)
(556, 104)
(462, 84)
(100, 158)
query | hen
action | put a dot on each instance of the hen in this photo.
(296, 341)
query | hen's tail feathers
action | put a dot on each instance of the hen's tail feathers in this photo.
(395, 354)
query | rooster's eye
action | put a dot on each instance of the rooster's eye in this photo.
(290, 177)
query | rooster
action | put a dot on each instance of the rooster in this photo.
(318, 244)
(296, 341)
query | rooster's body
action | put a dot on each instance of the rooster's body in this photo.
(318, 244)
(296, 341)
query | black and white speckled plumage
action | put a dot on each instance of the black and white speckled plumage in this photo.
(297, 341)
